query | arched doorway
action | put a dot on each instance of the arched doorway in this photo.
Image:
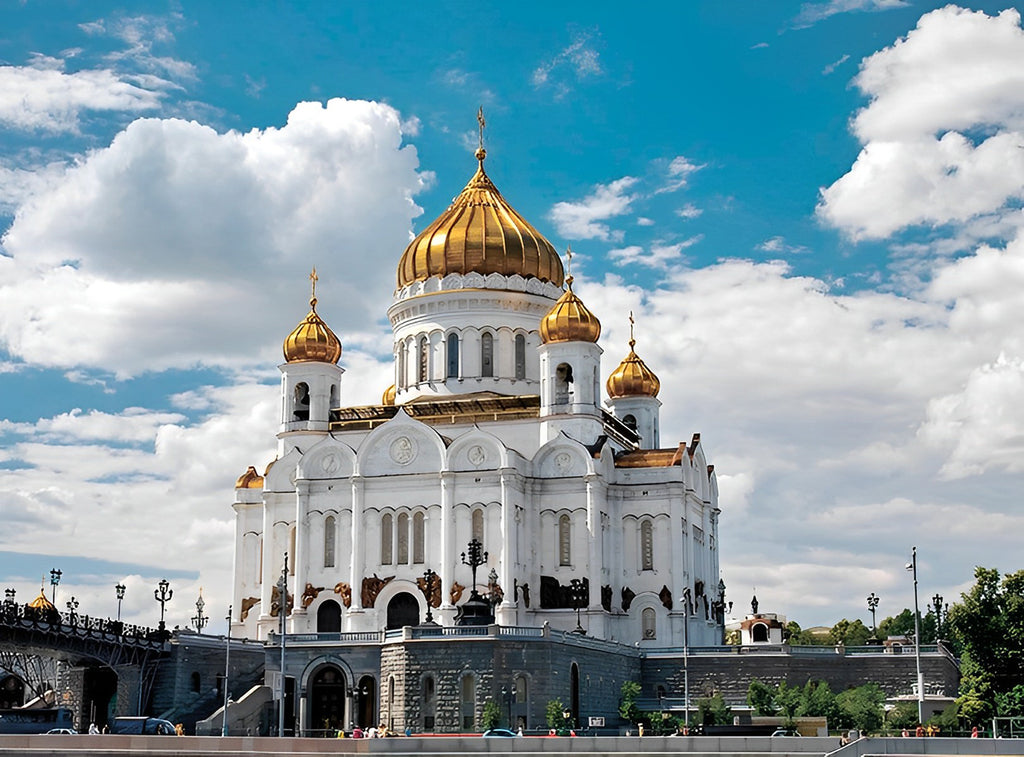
(12, 692)
(327, 699)
(367, 693)
(328, 617)
(403, 610)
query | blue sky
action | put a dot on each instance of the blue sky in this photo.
(814, 209)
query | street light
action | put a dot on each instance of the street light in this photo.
(54, 580)
(872, 605)
(163, 594)
(72, 605)
(227, 672)
(686, 659)
(429, 577)
(477, 557)
(578, 592)
(199, 619)
(939, 615)
(282, 604)
(912, 566)
(119, 589)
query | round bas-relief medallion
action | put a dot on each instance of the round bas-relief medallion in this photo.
(563, 461)
(330, 463)
(403, 450)
(477, 455)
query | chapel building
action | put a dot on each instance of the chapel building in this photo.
(494, 445)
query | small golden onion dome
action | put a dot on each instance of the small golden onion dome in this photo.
(632, 378)
(249, 480)
(389, 396)
(569, 320)
(41, 602)
(312, 340)
(480, 232)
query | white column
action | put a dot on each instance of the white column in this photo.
(593, 535)
(301, 557)
(355, 569)
(447, 537)
(267, 578)
(509, 552)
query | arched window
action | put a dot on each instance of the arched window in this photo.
(195, 682)
(328, 617)
(403, 539)
(486, 354)
(386, 539)
(453, 355)
(400, 383)
(563, 381)
(646, 546)
(424, 360)
(647, 621)
(478, 526)
(630, 421)
(417, 538)
(467, 702)
(301, 409)
(520, 356)
(334, 397)
(329, 537)
(759, 633)
(522, 690)
(565, 540)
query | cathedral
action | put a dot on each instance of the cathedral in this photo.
(496, 489)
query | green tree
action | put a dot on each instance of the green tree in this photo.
(903, 715)
(817, 700)
(491, 715)
(713, 710)
(628, 694)
(1010, 704)
(861, 708)
(988, 624)
(899, 625)
(850, 633)
(799, 637)
(787, 698)
(553, 713)
(976, 702)
(761, 697)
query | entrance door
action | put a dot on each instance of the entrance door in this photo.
(403, 610)
(326, 700)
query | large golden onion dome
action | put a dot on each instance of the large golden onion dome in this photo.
(480, 232)
(632, 378)
(312, 340)
(569, 320)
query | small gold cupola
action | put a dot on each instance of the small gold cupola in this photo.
(569, 320)
(480, 233)
(388, 397)
(41, 602)
(632, 378)
(312, 340)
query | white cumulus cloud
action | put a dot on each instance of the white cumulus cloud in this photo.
(583, 219)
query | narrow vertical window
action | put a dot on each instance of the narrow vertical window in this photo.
(520, 356)
(403, 539)
(563, 382)
(564, 540)
(468, 702)
(453, 355)
(301, 407)
(329, 536)
(400, 384)
(478, 525)
(291, 551)
(648, 622)
(486, 354)
(646, 546)
(385, 539)
(417, 538)
(424, 359)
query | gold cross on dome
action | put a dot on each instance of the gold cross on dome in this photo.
(480, 120)
(314, 278)
(632, 341)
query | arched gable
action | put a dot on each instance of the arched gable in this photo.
(280, 474)
(562, 457)
(401, 446)
(327, 459)
(318, 662)
(477, 450)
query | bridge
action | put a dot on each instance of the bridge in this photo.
(90, 663)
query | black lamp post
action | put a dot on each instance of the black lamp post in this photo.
(227, 673)
(163, 594)
(720, 606)
(54, 580)
(199, 619)
(941, 613)
(119, 589)
(429, 577)
(72, 606)
(477, 557)
(578, 593)
(873, 605)
(10, 606)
